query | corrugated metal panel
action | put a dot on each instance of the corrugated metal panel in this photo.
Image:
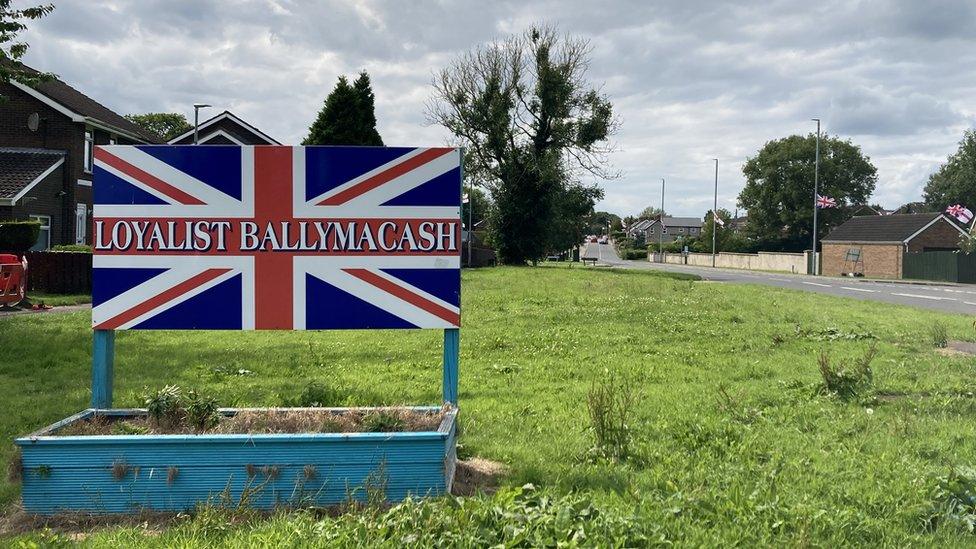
(76, 473)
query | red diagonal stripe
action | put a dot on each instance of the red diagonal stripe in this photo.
(150, 304)
(146, 178)
(406, 295)
(383, 177)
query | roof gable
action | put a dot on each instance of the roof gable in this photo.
(231, 127)
(81, 108)
(886, 228)
(22, 168)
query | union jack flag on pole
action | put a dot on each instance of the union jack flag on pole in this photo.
(276, 237)
(826, 202)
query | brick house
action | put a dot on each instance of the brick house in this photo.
(226, 128)
(875, 245)
(55, 127)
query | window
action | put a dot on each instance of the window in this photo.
(89, 150)
(112, 140)
(81, 223)
(44, 238)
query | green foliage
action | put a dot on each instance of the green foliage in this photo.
(482, 207)
(939, 333)
(845, 381)
(531, 124)
(167, 125)
(955, 182)
(954, 500)
(13, 21)
(382, 421)
(164, 406)
(348, 116)
(201, 411)
(779, 187)
(314, 395)
(649, 212)
(83, 248)
(18, 236)
(611, 403)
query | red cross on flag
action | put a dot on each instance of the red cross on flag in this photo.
(960, 212)
(826, 202)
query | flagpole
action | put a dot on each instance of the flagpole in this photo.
(816, 183)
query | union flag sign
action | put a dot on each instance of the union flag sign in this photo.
(276, 237)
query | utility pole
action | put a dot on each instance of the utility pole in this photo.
(470, 218)
(660, 229)
(715, 213)
(816, 194)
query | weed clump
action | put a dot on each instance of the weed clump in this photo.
(314, 395)
(846, 381)
(15, 469)
(164, 406)
(610, 403)
(201, 411)
(939, 334)
(168, 408)
(955, 499)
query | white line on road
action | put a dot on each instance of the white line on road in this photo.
(818, 284)
(936, 298)
(859, 289)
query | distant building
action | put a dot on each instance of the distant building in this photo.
(875, 245)
(673, 229)
(225, 128)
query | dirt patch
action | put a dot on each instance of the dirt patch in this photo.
(377, 420)
(79, 526)
(959, 348)
(477, 475)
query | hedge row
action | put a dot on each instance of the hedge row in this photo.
(18, 236)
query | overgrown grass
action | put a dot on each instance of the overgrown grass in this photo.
(737, 445)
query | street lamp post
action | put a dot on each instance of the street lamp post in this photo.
(816, 194)
(715, 213)
(196, 120)
(660, 229)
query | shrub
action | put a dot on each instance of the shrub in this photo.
(633, 254)
(382, 421)
(314, 395)
(164, 406)
(18, 236)
(939, 334)
(955, 499)
(846, 381)
(84, 248)
(610, 403)
(201, 411)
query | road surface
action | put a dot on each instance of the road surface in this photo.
(947, 298)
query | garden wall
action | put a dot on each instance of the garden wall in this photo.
(59, 272)
(763, 261)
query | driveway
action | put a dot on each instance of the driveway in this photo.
(947, 298)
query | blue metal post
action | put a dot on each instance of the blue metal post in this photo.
(103, 363)
(452, 349)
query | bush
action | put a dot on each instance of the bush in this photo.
(72, 248)
(847, 381)
(18, 236)
(164, 406)
(314, 395)
(939, 334)
(611, 402)
(201, 411)
(629, 253)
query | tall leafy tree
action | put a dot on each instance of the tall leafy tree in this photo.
(348, 116)
(955, 182)
(650, 212)
(164, 124)
(779, 188)
(13, 21)
(532, 125)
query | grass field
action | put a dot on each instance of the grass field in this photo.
(733, 443)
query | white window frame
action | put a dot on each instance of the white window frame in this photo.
(45, 226)
(112, 140)
(81, 223)
(89, 149)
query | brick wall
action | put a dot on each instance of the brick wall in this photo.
(879, 260)
(940, 236)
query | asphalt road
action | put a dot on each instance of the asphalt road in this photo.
(947, 298)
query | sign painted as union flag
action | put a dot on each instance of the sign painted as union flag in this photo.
(276, 237)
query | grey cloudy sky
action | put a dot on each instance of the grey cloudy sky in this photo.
(690, 80)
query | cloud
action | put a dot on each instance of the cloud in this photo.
(692, 81)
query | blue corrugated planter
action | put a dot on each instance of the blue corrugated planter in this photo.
(132, 473)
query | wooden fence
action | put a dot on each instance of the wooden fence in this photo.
(59, 272)
(941, 265)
